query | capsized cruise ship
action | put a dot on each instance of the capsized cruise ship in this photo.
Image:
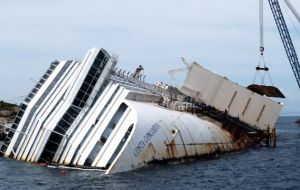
(90, 115)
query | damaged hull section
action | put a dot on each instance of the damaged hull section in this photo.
(89, 115)
(164, 135)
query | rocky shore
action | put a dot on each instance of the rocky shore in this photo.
(7, 114)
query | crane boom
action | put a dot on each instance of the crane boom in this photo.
(293, 10)
(286, 38)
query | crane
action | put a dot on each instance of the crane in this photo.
(293, 10)
(285, 38)
(285, 35)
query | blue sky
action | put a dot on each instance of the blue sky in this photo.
(223, 36)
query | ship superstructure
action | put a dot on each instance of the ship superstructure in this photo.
(88, 114)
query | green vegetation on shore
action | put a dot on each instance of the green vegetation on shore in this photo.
(7, 106)
(8, 112)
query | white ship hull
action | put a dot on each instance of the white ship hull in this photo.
(88, 115)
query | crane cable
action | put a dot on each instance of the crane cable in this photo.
(262, 64)
(261, 26)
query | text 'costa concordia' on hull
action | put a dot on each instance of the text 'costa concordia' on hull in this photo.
(88, 114)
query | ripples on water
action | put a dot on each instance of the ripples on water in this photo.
(259, 168)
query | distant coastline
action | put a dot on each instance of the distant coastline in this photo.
(8, 112)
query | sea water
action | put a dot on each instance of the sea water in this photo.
(256, 168)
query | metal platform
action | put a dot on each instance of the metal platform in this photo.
(269, 91)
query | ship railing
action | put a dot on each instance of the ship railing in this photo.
(221, 116)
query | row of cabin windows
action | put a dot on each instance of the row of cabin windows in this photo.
(41, 82)
(90, 81)
(29, 97)
(15, 124)
(79, 102)
(56, 136)
(66, 120)
(106, 133)
(28, 119)
(20, 114)
(96, 149)
(54, 64)
(120, 146)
